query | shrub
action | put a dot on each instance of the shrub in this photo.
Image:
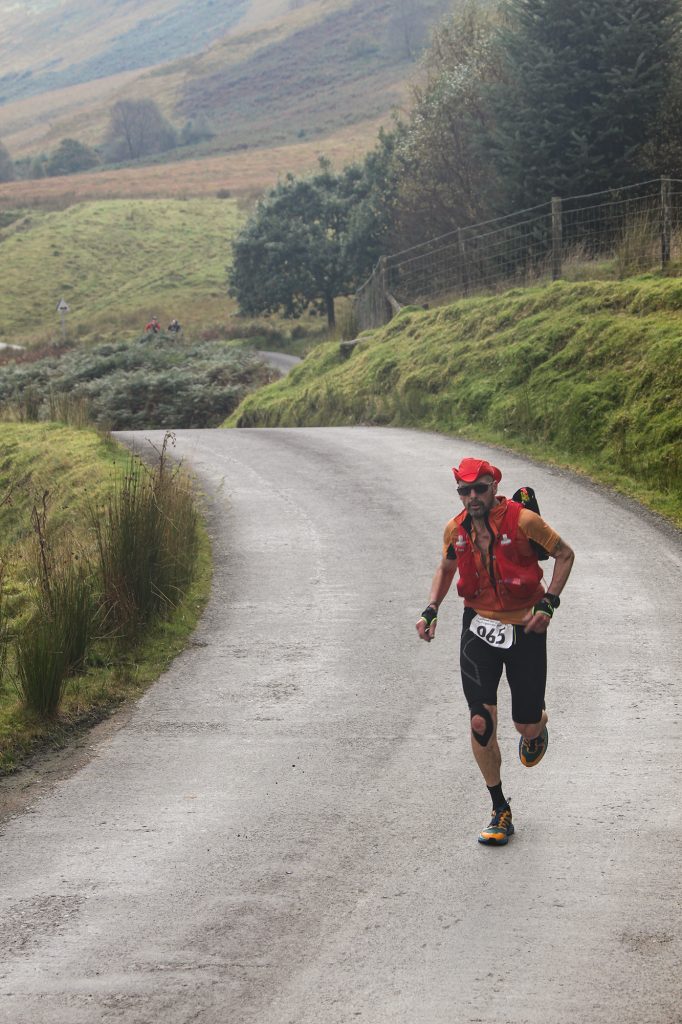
(70, 157)
(148, 383)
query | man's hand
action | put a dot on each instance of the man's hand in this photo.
(426, 625)
(536, 622)
(538, 618)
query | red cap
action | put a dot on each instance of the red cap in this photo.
(470, 470)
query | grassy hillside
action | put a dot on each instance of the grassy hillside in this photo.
(588, 375)
(311, 73)
(246, 172)
(115, 263)
(281, 75)
(48, 456)
(47, 46)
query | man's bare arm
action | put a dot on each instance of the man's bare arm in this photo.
(442, 581)
(564, 556)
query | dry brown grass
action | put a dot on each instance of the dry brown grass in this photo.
(244, 173)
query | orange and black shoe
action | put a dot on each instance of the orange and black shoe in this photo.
(531, 752)
(500, 828)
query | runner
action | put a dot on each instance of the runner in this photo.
(496, 544)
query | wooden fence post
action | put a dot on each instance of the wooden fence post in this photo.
(666, 221)
(557, 238)
(461, 245)
(386, 311)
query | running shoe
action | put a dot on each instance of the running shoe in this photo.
(531, 752)
(500, 828)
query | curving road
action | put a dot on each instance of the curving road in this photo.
(281, 361)
(284, 831)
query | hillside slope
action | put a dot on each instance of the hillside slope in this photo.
(588, 375)
(50, 44)
(260, 75)
(115, 262)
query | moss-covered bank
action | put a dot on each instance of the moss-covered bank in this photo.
(587, 375)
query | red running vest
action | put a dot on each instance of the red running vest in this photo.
(516, 573)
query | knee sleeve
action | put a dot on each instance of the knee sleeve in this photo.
(480, 709)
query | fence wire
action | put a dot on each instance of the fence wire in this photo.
(619, 232)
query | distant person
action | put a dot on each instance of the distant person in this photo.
(495, 545)
(174, 327)
(153, 327)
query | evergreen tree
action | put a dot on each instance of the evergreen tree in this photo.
(589, 79)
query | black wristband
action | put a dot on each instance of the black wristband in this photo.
(430, 614)
(553, 599)
(544, 606)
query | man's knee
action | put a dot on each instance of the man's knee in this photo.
(482, 724)
(529, 730)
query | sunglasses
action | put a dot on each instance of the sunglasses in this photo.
(465, 489)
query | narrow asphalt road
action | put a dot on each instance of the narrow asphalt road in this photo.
(284, 832)
(281, 361)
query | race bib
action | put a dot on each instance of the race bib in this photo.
(497, 634)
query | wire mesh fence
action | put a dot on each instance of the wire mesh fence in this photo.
(616, 233)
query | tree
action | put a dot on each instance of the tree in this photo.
(7, 172)
(137, 128)
(302, 246)
(69, 157)
(444, 176)
(587, 83)
(407, 29)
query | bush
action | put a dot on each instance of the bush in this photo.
(70, 157)
(157, 382)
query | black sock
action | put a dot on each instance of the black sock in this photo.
(497, 796)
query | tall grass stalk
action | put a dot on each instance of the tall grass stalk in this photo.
(4, 637)
(147, 542)
(74, 410)
(639, 247)
(54, 644)
(41, 667)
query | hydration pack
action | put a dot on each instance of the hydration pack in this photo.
(526, 496)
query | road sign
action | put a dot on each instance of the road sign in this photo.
(62, 307)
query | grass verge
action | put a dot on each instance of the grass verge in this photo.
(83, 468)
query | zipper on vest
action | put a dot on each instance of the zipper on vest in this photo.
(489, 568)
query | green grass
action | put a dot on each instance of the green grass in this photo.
(89, 698)
(70, 464)
(115, 263)
(79, 469)
(587, 375)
